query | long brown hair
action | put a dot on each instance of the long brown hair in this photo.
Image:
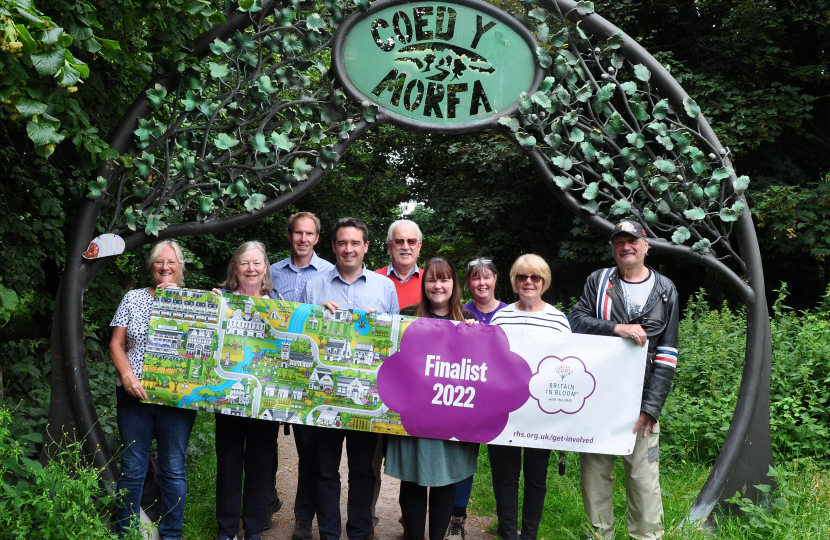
(441, 267)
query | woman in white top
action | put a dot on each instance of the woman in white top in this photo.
(530, 277)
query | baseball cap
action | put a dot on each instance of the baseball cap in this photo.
(629, 227)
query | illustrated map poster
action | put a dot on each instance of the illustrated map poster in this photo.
(303, 364)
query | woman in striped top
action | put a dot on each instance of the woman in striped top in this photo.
(530, 277)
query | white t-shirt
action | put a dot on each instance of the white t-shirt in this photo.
(550, 317)
(636, 295)
(134, 315)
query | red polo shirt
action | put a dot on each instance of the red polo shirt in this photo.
(409, 291)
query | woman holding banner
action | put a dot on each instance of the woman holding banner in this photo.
(245, 443)
(530, 277)
(139, 423)
(431, 464)
(481, 279)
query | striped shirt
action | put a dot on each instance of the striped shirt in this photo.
(550, 317)
(289, 280)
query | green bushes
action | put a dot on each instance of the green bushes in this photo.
(712, 342)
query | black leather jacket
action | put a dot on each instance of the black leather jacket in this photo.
(602, 306)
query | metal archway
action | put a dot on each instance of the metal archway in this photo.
(606, 127)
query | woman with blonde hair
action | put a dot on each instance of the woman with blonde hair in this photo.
(140, 423)
(530, 276)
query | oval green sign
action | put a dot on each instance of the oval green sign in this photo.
(454, 65)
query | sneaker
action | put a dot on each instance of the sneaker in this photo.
(456, 529)
(302, 530)
(273, 507)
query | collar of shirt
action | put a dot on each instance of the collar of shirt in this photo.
(335, 273)
(390, 271)
(313, 264)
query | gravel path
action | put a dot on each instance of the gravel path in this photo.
(388, 509)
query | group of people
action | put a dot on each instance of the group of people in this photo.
(629, 300)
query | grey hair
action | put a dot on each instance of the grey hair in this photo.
(480, 265)
(398, 223)
(161, 246)
(231, 283)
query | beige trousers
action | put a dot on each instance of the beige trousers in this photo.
(642, 489)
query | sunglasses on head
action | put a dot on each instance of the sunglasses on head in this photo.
(478, 261)
(535, 278)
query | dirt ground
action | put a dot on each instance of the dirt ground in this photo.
(388, 509)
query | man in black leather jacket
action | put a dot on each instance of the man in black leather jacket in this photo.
(631, 301)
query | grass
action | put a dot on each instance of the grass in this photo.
(564, 518)
(200, 510)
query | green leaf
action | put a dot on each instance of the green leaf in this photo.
(569, 57)
(44, 135)
(712, 189)
(649, 216)
(702, 246)
(605, 161)
(691, 107)
(663, 207)
(588, 151)
(720, 173)
(29, 107)
(328, 157)
(266, 85)
(591, 191)
(606, 92)
(681, 235)
(638, 109)
(525, 104)
(642, 72)
(538, 13)
(695, 214)
(543, 57)
(221, 47)
(699, 164)
(110, 44)
(553, 139)
(563, 182)
(631, 178)
(614, 125)
(259, 144)
(576, 135)
(346, 127)
(144, 164)
(255, 202)
(238, 189)
(620, 207)
(48, 62)
(69, 76)
(733, 213)
(630, 87)
(697, 191)
(591, 207)
(661, 108)
(50, 37)
(154, 225)
(583, 7)
(664, 165)
(740, 184)
(615, 41)
(584, 94)
(370, 111)
(541, 99)
(510, 122)
(223, 141)
(96, 187)
(638, 140)
(280, 140)
(659, 183)
(547, 84)
(217, 71)
(525, 139)
(562, 162)
(191, 101)
(316, 22)
(157, 95)
(542, 32)
(609, 179)
(301, 168)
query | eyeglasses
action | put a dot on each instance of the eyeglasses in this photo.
(160, 264)
(401, 241)
(248, 264)
(535, 278)
(476, 262)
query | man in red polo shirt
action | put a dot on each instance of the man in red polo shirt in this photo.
(404, 242)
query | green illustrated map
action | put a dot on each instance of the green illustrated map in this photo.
(270, 359)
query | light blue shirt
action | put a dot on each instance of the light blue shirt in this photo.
(369, 291)
(289, 280)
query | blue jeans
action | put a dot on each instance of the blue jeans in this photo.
(140, 423)
(462, 492)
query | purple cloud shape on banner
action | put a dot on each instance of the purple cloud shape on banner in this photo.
(562, 385)
(454, 381)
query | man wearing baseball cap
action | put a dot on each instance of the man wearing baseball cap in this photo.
(632, 301)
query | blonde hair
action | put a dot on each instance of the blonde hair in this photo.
(156, 250)
(532, 264)
(232, 283)
(299, 215)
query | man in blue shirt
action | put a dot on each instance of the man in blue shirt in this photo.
(290, 276)
(349, 285)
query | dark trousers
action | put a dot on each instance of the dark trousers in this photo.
(306, 458)
(413, 501)
(244, 444)
(506, 464)
(360, 447)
